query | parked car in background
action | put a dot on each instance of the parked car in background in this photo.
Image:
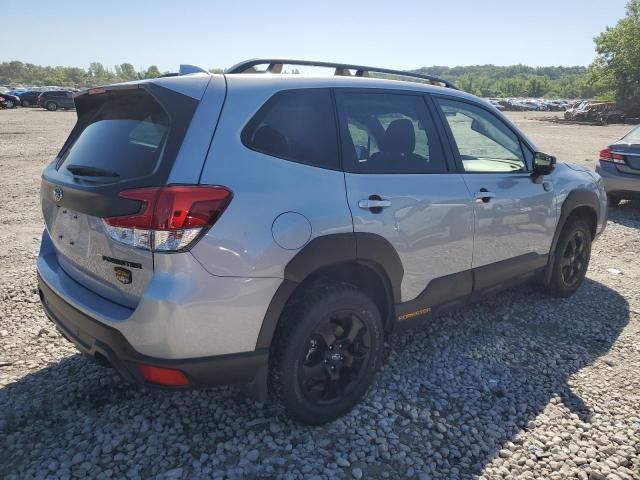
(10, 101)
(601, 112)
(29, 98)
(498, 104)
(619, 168)
(530, 104)
(55, 99)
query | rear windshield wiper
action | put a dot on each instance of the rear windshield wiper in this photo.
(89, 171)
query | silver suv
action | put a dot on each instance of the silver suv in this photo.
(271, 230)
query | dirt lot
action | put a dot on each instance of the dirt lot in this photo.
(520, 386)
(570, 143)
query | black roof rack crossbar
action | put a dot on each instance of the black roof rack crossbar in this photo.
(274, 65)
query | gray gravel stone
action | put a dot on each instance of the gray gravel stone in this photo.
(520, 385)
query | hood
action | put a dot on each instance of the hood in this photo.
(580, 168)
(576, 167)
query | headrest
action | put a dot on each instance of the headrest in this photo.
(399, 138)
(271, 141)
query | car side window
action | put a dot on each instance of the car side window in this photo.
(296, 125)
(485, 143)
(388, 133)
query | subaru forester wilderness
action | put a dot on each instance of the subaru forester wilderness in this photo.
(271, 230)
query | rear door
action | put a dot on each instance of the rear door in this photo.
(515, 217)
(399, 185)
(124, 138)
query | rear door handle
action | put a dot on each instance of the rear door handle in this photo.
(484, 195)
(368, 204)
(374, 203)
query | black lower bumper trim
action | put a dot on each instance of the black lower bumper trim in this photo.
(106, 344)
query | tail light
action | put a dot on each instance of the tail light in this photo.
(607, 155)
(163, 376)
(170, 218)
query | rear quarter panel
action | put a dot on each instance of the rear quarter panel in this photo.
(241, 242)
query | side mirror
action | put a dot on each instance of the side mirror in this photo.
(543, 164)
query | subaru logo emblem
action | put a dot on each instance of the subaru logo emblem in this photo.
(57, 194)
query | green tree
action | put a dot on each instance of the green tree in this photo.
(127, 72)
(151, 72)
(616, 70)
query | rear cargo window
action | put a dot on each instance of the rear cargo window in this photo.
(122, 139)
(297, 125)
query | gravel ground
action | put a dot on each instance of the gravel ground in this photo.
(519, 386)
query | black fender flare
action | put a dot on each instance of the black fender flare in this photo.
(364, 248)
(576, 199)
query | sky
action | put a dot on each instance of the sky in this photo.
(399, 34)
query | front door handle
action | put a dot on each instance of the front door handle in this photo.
(484, 195)
(374, 203)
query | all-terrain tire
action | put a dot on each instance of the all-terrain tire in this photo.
(293, 349)
(571, 259)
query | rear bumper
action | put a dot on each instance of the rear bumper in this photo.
(107, 345)
(184, 312)
(618, 183)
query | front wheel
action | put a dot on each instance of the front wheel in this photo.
(25, 103)
(571, 261)
(52, 106)
(326, 353)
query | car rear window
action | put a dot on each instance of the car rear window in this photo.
(122, 139)
(633, 136)
(296, 125)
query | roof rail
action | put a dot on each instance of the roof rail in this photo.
(274, 65)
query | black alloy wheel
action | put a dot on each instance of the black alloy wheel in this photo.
(326, 351)
(336, 353)
(573, 260)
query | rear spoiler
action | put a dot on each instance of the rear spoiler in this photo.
(191, 81)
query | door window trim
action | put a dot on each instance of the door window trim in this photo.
(343, 129)
(454, 146)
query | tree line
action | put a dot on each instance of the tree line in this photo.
(15, 72)
(614, 74)
(517, 80)
(484, 80)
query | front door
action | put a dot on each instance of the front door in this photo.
(400, 187)
(515, 216)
